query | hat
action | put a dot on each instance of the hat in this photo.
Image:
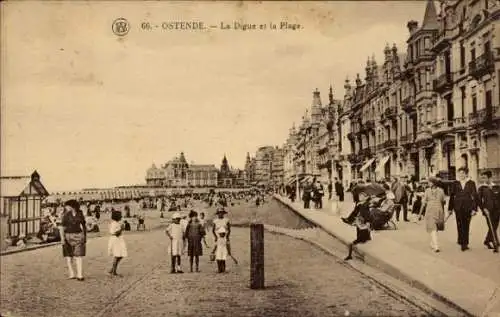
(176, 215)
(73, 204)
(221, 230)
(434, 180)
(221, 211)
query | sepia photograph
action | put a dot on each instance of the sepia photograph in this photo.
(249, 158)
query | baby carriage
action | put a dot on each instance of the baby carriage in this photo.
(383, 219)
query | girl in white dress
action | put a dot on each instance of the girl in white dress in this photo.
(220, 250)
(175, 231)
(116, 244)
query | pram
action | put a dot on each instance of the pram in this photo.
(381, 220)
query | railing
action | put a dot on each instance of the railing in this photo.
(424, 134)
(408, 104)
(442, 126)
(366, 152)
(390, 143)
(390, 112)
(482, 116)
(443, 82)
(482, 65)
(442, 40)
(407, 139)
(380, 147)
(369, 125)
(460, 122)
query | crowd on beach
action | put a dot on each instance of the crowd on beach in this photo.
(187, 233)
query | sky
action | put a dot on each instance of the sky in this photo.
(87, 108)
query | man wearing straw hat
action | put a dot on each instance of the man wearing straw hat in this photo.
(489, 203)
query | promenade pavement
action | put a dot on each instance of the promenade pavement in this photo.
(470, 280)
(300, 281)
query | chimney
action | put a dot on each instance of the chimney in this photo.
(412, 26)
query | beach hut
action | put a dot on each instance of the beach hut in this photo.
(21, 201)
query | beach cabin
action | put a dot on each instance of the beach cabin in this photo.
(20, 200)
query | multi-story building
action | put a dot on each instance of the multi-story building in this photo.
(467, 80)
(263, 164)
(178, 173)
(249, 170)
(229, 177)
(390, 113)
(345, 147)
(327, 140)
(277, 167)
(425, 112)
(290, 169)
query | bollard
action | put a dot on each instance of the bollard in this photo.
(257, 256)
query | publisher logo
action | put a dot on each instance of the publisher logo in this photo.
(120, 27)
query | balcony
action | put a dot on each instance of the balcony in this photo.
(369, 125)
(443, 83)
(460, 123)
(442, 41)
(424, 137)
(391, 144)
(407, 140)
(408, 104)
(354, 158)
(366, 152)
(482, 65)
(380, 147)
(351, 136)
(442, 127)
(390, 113)
(483, 116)
(424, 94)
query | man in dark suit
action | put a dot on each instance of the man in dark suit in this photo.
(489, 202)
(464, 202)
(339, 189)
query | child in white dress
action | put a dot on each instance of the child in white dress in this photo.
(220, 250)
(116, 244)
(175, 231)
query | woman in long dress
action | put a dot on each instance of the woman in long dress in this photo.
(433, 202)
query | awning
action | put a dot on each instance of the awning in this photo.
(367, 164)
(291, 180)
(382, 163)
(304, 179)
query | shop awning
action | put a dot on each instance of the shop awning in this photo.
(382, 163)
(367, 164)
(306, 179)
(291, 180)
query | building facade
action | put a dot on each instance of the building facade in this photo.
(178, 173)
(263, 165)
(427, 111)
(229, 177)
(467, 80)
(277, 167)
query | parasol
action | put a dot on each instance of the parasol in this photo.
(372, 189)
